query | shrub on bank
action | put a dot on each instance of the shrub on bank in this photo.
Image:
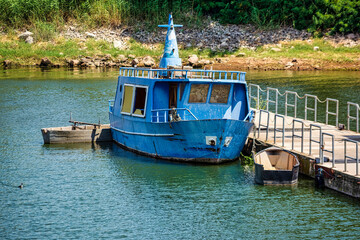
(336, 16)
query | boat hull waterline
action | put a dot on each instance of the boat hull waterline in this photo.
(186, 140)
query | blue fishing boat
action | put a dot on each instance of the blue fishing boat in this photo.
(181, 114)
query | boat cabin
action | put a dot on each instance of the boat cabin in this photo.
(158, 95)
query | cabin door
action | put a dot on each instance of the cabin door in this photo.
(173, 95)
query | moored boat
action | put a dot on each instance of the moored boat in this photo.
(180, 114)
(276, 166)
(77, 133)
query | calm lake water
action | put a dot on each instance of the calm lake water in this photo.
(85, 191)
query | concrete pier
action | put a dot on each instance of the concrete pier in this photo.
(340, 174)
(77, 134)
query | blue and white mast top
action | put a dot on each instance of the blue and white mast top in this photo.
(171, 52)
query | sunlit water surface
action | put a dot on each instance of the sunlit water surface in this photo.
(85, 191)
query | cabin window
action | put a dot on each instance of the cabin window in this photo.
(139, 101)
(134, 100)
(220, 93)
(127, 99)
(198, 93)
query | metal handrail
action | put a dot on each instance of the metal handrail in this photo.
(313, 140)
(251, 113)
(346, 156)
(268, 89)
(294, 135)
(332, 151)
(267, 123)
(194, 73)
(349, 117)
(290, 105)
(308, 108)
(336, 114)
(166, 110)
(282, 130)
(257, 97)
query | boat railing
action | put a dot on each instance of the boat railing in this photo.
(111, 105)
(182, 74)
(173, 114)
(250, 116)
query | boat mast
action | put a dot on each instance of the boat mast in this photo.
(171, 52)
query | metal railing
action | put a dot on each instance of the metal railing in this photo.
(346, 156)
(163, 115)
(310, 107)
(287, 104)
(249, 116)
(336, 113)
(182, 73)
(326, 141)
(311, 140)
(307, 108)
(268, 98)
(349, 117)
(267, 123)
(257, 97)
(282, 129)
(294, 135)
(332, 151)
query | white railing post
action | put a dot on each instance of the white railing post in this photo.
(268, 100)
(349, 117)
(282, 129)
(307, 96)
(315, 141)
(287, 104)
(257, 97)
(336, 113)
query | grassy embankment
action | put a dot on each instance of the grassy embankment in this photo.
(47, 17)
(59, 49)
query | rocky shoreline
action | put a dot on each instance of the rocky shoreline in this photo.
(216, 37)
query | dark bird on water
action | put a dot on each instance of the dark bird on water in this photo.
(21, 186)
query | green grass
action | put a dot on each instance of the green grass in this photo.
(59, 50)
(305, 50)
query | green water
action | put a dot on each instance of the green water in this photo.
(85, 191)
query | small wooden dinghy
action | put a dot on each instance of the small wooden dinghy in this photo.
(276, 166)
(79, 132)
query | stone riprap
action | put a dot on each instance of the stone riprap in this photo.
(214, 36)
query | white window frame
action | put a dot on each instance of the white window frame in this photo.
(133, 99)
